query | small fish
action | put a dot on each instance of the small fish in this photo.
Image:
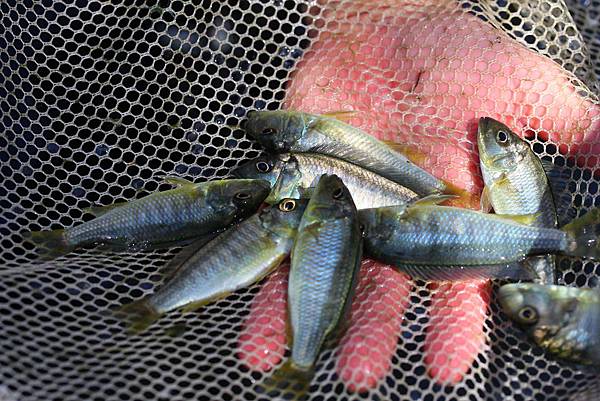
(291, 175)
(516, 183)
(446, 243)
(563, 320)
(324, 266)
(159, 220)
(297, 132)
(235, 259)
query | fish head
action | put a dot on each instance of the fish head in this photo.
(500, 149)
(265, 167)
(276, 131)
(332, 197)
(242, 195)
(543, 311)
(379, 222)
(284, 216)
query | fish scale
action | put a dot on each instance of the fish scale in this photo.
(452, 236)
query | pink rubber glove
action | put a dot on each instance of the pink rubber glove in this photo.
(421, 74)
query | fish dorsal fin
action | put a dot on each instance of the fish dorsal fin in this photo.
(432, 200)
(485, 201)
(410, 152)
(178, 181)
(101, 210)
(558, 180)
(525, 219)
(342, 115)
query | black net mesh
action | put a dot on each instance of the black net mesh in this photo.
(101, 99)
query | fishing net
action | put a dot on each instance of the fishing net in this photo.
(100, 100)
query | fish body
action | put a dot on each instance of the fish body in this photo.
(423, 238)
(516, 183)
(324, 266)
(292, 174)
(563, 320)
(235, 259)
(297, 132)
(161, 219)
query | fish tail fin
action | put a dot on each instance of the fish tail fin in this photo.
(583, 233)
(138, 315)
(288, 382)
(50, 244)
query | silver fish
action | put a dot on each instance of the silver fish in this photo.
(159, 220)
(293, 131)
(324, 266)
(292, 175)
(237, 258)
(563, 320)
(516, 183)
(447, 243)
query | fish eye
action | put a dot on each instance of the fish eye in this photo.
(287, 205)
(528, 314)
(242, 195)
(338, 193)
(263, 167)
(502, 137)
(269, 131)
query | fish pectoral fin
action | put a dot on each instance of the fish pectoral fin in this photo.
(189, 249)
(342, 115)
(313, 228)
(558, 181)
(432, 200)
(101, 210)
(411, 153)
(178, 181)
(525, 219)
(512, 271)
(485, 202)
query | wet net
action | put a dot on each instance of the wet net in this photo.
(99, 100)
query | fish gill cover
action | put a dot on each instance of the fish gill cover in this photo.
(100, 100)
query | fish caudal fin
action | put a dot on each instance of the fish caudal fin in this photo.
(289, 382)
(138, 315)
(50, 244)
(583, 233)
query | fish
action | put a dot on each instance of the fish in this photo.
(444, 243)
(324, 266)
(293, 175)
(235, 259)
(516, 183)
(297, 132)
(563, 320)
(163, 219)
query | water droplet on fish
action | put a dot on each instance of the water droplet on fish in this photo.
(197, 149)
(101, 150)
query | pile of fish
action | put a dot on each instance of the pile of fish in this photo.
(332, 190)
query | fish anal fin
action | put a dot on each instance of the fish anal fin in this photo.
(411, 153)
(178, 181)
(138, 315)
(512, 271)
(525, 219)
(194, 306)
